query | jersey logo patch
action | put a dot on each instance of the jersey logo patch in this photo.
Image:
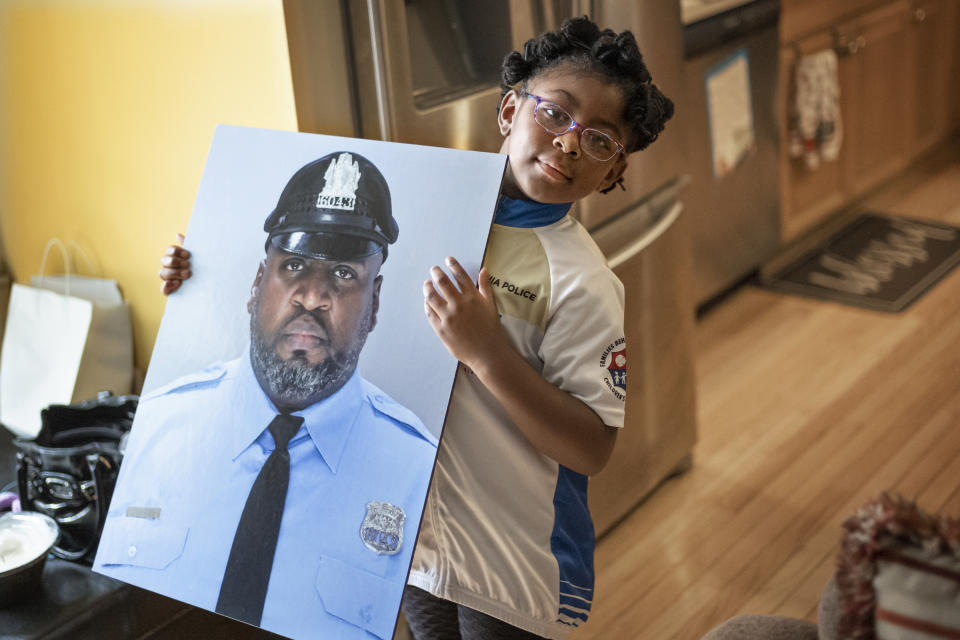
(382, 528)
(614, 360)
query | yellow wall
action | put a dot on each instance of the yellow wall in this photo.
(107, 109)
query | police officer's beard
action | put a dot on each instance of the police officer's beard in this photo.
(295, 381)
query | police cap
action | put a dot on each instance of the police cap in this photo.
(334, 208)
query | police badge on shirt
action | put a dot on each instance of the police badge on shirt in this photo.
(382, 528)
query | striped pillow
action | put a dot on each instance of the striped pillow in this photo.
(899, 574)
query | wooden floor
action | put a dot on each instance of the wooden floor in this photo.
(806, 410)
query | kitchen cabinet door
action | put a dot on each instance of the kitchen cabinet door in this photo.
(899, 75)
(930, 48)
(876, 80)
(952, 18)
(874, 73)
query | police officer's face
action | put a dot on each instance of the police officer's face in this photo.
(315, 313)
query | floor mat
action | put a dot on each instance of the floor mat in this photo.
(878, 261)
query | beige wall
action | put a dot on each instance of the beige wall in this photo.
(107, 109)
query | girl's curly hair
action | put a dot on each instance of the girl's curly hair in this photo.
(581, 42)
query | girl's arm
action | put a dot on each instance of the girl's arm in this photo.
(557, 424)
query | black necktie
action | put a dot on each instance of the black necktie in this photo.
(245, 580)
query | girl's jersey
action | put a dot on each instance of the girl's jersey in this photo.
(506, 530)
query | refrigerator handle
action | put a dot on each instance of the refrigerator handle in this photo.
(379, 68)
(648, 238)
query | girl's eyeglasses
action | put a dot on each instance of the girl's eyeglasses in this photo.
(554, 119)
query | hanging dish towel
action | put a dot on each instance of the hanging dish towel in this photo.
(817, 130)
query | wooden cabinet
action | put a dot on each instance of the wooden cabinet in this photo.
(895, 62)
(933, 24)
(875, 84)
(953, 53)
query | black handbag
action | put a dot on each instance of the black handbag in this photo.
(69, 470)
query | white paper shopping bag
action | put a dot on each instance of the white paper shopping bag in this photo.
(65, 341)
(42, 347)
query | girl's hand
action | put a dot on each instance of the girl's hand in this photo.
(463, 315)
(555, 423)
(175, 267)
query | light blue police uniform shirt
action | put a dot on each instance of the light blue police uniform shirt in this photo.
(194, 452)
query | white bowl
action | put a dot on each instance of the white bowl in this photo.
(25, 540)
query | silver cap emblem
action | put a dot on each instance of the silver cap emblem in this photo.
(340, 184)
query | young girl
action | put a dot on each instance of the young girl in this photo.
(506, 544)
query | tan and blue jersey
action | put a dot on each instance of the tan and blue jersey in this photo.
(506, 530)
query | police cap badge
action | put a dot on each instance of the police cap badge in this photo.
(334, 208)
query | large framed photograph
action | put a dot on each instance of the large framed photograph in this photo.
(279, 461)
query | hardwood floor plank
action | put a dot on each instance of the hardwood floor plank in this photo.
(806, 410)
(698, 555)
(785, 590)
(903, 474)
(941, 488)
(952, 506)
(805, 599)
(791, 521)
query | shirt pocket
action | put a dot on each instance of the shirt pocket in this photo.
(358, 596)
(141, 542)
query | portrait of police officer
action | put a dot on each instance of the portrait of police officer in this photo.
(282, 488)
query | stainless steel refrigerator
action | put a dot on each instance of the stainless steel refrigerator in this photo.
(427, 72)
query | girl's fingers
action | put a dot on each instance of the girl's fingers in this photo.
(173, 274)
(443, 284)
(432, 316)
(431, 298)
(174, 262)
(169, 286)
(483, 283)
(464, 281)
(176, 251)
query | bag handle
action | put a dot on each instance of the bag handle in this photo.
(78, 251)
(64, 251)
(56, 242)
